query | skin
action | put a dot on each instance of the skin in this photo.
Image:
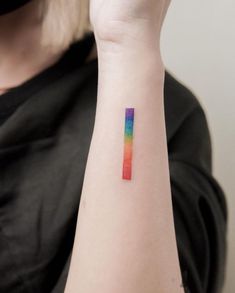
(125, 238)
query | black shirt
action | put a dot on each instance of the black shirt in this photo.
(45, 134)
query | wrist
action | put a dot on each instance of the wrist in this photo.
(124, 72)
(119, 35)
(118, 58)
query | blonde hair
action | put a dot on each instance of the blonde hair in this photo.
(64, 22)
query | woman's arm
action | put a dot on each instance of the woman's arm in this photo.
(125, 239)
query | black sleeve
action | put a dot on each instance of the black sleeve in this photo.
(199, 206)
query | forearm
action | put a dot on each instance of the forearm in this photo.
(125, 239)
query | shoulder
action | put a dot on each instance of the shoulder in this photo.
(188, 134)
(180, 104)
(199, 203)
(177, 94)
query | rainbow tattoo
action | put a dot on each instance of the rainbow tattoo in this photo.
(128, 143)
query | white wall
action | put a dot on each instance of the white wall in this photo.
(198, 46)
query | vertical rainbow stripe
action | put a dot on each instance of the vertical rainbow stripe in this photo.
(128, 142)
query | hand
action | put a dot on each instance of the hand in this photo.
(125, 21)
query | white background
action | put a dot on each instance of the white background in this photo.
(198, 46)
